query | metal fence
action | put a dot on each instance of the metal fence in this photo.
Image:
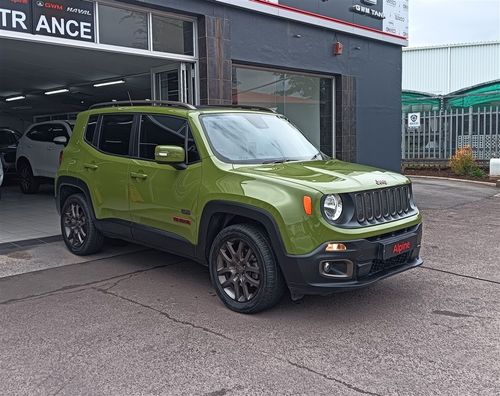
(441, 133)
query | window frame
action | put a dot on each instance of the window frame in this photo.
(97, 136)
(94, 141)
(138, 136)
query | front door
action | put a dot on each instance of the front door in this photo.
(163, 198)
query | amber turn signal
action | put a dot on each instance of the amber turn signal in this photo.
(308, 205)
(335, 247)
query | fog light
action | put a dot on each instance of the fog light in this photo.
(335, 247)
(337, 268)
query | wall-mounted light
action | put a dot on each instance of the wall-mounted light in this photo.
(12, 98)
(104, 84)
(57, 91)
(338, 48)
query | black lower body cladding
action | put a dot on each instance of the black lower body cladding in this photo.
(364, 262)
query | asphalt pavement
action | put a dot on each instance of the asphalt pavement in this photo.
(137, 321)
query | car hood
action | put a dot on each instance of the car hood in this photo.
(331, 176)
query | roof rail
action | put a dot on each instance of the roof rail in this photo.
(244, 107)
(144, 103)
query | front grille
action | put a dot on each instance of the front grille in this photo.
(382, 205)
(381, 265)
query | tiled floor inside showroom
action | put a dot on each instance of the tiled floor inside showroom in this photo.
(27, 217)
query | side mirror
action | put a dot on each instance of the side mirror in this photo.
(171, 155)
(62, 140)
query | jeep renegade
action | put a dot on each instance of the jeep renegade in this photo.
(237, 188)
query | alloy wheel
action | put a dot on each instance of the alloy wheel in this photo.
(238, 270)
(75, 225)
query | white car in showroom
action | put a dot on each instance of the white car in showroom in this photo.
(38, 151)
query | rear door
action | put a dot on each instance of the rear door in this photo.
(106, 169)
(34, 147)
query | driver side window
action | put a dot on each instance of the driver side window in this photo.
(159, 130)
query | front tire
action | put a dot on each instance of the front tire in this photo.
(77, 226)
(244, 271)
(29, 183)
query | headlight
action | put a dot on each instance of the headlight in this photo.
(332, 207)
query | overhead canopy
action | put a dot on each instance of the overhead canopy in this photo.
(483, 95)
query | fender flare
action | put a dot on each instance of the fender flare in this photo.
(238, 209)
(76, 183)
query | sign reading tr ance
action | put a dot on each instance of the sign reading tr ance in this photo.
(71, 19)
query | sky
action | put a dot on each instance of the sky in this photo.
(434, 22)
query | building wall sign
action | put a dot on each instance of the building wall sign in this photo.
(70, 19)
(385, 20)
(360, 9)
(396, 17)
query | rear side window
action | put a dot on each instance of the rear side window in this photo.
(91, 128)
(115, 133)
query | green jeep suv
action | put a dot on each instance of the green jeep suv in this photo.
(237, 188)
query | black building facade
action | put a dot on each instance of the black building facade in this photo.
(332, 67)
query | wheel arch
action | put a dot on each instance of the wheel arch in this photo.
(66, 186)
(22, 160)
(219, 214)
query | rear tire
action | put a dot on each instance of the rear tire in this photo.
(77, 227)
(244, 271)
(29, 183)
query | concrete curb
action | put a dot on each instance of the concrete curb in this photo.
(489, 184)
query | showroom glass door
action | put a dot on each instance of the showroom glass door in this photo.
(174, 82)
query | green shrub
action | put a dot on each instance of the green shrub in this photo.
(478, 172)
(463, 163)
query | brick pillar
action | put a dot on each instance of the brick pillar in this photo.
(214, 43)
(345, 118)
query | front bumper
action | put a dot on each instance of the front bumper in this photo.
(365, 262)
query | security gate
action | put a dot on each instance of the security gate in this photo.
(441, 133)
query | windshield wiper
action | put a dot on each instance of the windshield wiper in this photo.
(315, 156)
(278, 161)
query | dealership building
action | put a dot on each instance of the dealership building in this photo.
(333, 67)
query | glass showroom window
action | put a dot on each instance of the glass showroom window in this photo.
(172, 35)
(305, 100)
(126, 28)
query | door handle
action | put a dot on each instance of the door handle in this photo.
(50, 148)
(90, 166)
(135, 175)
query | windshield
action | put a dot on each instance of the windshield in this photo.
(254, 138)
(7, 138)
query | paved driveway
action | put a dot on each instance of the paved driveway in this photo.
(144, 322)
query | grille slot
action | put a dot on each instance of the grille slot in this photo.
(380, 206)
(381, 265)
